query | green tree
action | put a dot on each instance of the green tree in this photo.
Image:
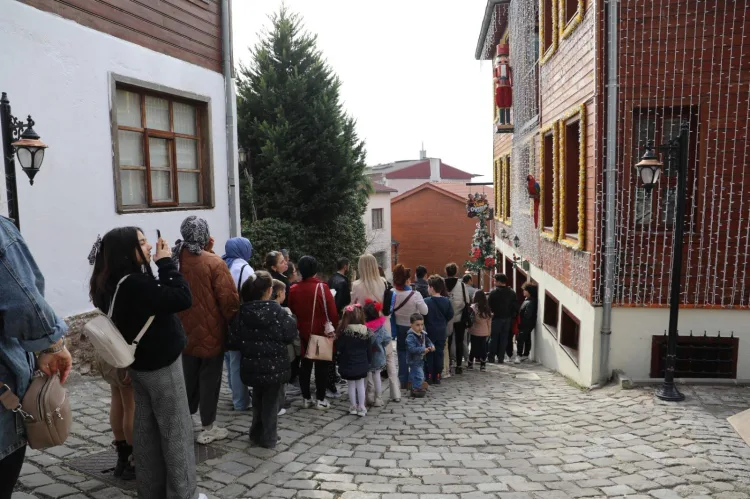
(307, 161)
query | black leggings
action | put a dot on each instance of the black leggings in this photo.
(478, 349)
(459, 329)
(321, 377)
(10, 469)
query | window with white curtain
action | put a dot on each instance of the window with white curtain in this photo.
(160, 146)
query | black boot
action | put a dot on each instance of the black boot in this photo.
(124, 468)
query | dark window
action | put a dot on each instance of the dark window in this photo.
(551, 312)
(570, 9)
(509, 271)
(570, 330)
(377, 218)
(161, 151)
(659, 209)
(548, 180)
(506, 189)
(548, 13)
(571, 173)
(520, 281)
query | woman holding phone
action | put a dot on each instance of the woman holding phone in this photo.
(163, 429)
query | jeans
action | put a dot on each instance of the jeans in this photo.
(403, 356)
(435, 360)
(416, 375)
(509, 345)
(322, 367)
(267, 400)
(524, 343)
(499, 339)
(10, 469)
(478, 349)
(240, 394)
(390, 364)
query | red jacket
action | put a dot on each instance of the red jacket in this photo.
(301, 298)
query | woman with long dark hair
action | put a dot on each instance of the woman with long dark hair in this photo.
(163, 431)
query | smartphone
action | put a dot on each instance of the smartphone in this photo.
(158, 234)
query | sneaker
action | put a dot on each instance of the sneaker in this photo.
(307, 403)
(525, 358)
(361, 412)
(378, 402)
(459, 370)
(215, 433)
(353, 410)
(470, 366)
(332, 395)
(322, 405)
(282, 411)
(482, 367)
(447, 375)
(506, 359)
(517, 360)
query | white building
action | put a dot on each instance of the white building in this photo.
(377, 219)
(134, 114)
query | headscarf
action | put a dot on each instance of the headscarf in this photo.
(237, 247)
(195, 237)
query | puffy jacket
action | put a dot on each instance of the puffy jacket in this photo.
(439, 314)
(482, 326)
(381, 337)
(300, 302)
(354, 351)
(528, 315)
(215, 303)
(261, 332)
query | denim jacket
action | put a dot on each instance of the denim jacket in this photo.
(415, 344)
(27, 324)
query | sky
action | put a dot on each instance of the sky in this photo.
(407, 69)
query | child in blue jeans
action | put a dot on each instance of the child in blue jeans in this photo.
(417, 346)
(439, 313)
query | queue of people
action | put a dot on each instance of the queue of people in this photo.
(271, 329)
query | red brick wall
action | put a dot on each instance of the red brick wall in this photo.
(432, 230)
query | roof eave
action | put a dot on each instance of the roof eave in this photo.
(486, 26)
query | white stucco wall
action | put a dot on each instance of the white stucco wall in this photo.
(379, 240)
(633, 328)
(59, 71)
(546, 349)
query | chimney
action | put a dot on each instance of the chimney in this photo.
(435, 170)
(422, 153)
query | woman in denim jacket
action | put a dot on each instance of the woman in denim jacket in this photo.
(27, 324)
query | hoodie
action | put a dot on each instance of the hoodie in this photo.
(354, 351)
(439, 314)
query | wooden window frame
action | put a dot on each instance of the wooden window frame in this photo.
(503, 190)
(553, 329)
(571, 351)
(381, 212)
(204, 160)
(549, 232)
(547, 51)
(568, 24)
(657, 195)
(497, 187)
(574, 241)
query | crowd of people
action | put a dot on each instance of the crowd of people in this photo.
(271, 329)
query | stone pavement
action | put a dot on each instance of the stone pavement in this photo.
(512, 432)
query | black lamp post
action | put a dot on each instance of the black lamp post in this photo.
(18, 138)
(649, 171)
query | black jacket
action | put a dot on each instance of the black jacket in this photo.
(503, 302)
(261, 332)
(142, 296)
(528, 315)
(340, 283)
(354, 352)
(422, 287)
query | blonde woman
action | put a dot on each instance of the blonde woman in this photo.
(370, 286)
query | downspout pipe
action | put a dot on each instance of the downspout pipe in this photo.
(610, 192)
(230, 101)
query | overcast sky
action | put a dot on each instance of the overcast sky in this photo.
(407, 69)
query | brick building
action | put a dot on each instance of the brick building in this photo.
(430, 226)
(563, 111)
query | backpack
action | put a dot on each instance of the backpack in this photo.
(108, 341)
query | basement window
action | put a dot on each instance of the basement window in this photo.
(551, 313)
(570, 331)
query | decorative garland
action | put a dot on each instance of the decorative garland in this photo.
(578, 245)
(567, 29)
(507, 186)
(553, 48)
(543, 182)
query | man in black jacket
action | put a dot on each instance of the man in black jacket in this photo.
(339, 282)
(421, 284)
(502, 300)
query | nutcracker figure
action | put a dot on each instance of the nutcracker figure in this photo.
(503, 86)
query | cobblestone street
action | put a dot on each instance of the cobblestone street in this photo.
(513, 432)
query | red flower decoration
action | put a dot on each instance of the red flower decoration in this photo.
(489, 262)
(476, 253)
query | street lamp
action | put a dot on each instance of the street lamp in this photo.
(18, 138)
(649, 171)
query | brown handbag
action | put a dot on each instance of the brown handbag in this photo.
(45, 410)
(320, 347)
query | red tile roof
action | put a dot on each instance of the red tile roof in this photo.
(380, 188)
(418, 170)
(457, 191)
(449, 172)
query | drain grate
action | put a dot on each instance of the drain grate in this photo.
(101, 464)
